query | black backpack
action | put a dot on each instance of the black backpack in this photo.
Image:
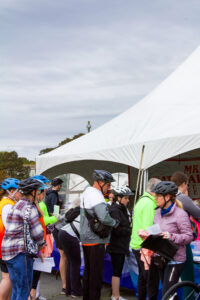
(72, 214)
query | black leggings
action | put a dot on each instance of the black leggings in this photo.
(71, 247)
(36, 277)
(170, 275)
(117, 260)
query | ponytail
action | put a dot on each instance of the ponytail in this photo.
(178, 203)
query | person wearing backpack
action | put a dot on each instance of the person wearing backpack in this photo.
(95, 228)
(68, 237)
(120, 237)
(23, 239)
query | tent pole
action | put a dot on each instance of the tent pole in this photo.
(129, 176)
(139, 174)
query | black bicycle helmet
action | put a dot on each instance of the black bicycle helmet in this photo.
(56, 181)
(28, 185)
(101, 175)
(165, 187)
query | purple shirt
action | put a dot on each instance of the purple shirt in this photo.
(177, 223)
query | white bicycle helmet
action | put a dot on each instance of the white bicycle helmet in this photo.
(123, 191)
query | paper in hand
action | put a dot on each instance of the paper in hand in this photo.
(154, 229)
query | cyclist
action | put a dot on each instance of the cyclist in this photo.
(68, 237)
(144, 211)
(9, 197)
(175, 225)
(14, 250)
(41, 178)
(120, 237)
(45, 219)
(93, 203)
(181, 180)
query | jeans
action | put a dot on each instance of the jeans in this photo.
(20, 269)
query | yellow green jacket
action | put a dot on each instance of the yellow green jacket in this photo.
(47, 219)
(143, 216)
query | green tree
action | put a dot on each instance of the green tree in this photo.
(67, 140)
(12, 166)
(27, 162)
(46, 150)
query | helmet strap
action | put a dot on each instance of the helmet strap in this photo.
(165, 202)
(34, 197)
(12, 195)
(101, 187)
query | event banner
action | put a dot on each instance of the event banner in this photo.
(189, 166)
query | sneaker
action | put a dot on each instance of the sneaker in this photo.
(120, 298)
(74, 296)
(41, 298)
(63, 292)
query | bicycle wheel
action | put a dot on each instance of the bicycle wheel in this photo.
(185, 290)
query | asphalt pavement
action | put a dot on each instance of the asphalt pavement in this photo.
(50, 287)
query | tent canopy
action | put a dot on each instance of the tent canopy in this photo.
(166, 121)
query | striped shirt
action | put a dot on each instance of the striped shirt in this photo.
(13, 241)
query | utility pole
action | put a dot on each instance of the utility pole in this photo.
(88, 126)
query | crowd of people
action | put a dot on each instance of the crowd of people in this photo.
(99, 222)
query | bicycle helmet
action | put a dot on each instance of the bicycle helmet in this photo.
(56, 181)
(123, 191)
(10, 183)
(28, 185)
(165, 187)
(101, 175)
(43, 186)
(41, 177)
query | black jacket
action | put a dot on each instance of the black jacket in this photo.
(120, 236)
(51, 199)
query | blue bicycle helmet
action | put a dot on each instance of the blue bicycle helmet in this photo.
(43, 186)
(10, 183)
(41, 178)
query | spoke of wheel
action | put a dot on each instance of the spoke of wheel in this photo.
(198, 296)
(189, 295)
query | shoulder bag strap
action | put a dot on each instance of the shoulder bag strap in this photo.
(75, 230)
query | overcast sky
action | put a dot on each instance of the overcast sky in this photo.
(65, 62)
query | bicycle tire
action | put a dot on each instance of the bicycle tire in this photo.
(193, 291)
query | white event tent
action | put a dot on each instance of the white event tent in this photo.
(166, 122)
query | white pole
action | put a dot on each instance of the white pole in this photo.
(139, 174)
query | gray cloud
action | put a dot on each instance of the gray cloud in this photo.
(64, 63)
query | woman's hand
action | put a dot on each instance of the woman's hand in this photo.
(166, 235)
(41, 256)
(142, 234)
